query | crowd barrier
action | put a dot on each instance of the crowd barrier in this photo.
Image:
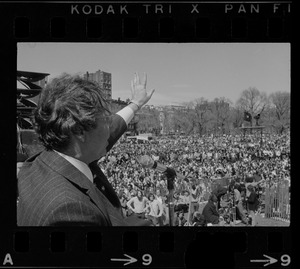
(277, 202)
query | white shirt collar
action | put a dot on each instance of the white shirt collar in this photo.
(81, 166)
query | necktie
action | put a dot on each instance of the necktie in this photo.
(103, 185)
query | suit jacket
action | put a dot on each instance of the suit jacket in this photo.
(210, 213)
(253, 201)
(53, 192)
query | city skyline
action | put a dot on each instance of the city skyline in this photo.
(179, 72)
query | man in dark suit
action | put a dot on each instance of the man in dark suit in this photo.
(210, 212)
(63, 185)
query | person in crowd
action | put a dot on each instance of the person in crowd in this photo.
(219, 191)
(154, 210)
(162, 218)
(123, 202)
(210, 211)
(180, 220)
(250, 180)
(195, 191)
(252, 202)
(198, 219)
(183, 202)
(176, 201)
(138, 204)
(238, 202)
(63, 184)
(186, 197)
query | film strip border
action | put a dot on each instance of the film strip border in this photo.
(177, 248)
(152, 21)
(112, 21)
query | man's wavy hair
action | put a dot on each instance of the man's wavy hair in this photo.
(68, 105)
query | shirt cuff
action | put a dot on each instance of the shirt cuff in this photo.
(126, 113)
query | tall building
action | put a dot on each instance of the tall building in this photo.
(104, 81)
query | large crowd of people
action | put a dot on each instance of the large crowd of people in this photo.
(208, 164)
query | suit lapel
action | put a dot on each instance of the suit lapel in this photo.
(112, 202)
(101, 180)
(115, 214)
(72, 174)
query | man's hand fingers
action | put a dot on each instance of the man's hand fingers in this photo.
(153, 90)
(137, 78)
(145, 80)
(132, 88)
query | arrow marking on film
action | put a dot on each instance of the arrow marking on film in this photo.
(128, 261)
(269, 261)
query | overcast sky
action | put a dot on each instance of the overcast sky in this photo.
(179, 72)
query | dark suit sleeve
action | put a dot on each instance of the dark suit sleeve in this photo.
(214, 216)
(117, 128)
(75, 213)
(210, 213)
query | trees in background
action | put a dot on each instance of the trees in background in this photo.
(220, 116)
(201, 115)
(254, 102)
(279, 112)
(148, 120)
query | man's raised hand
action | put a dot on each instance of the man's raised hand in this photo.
(140, 95)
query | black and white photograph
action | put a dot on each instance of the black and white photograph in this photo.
(153, 134)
